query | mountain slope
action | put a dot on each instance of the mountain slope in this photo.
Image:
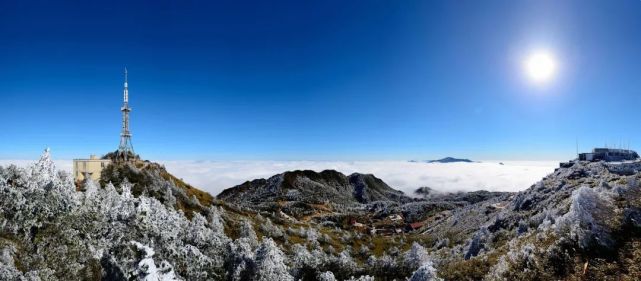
(578, 223)
(309, 187)
(153, 180)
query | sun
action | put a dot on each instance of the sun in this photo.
(540, 66)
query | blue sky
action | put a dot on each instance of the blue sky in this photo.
(330, 80)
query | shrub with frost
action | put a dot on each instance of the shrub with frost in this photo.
(197, 232)
(325, 238)
(426, 272)
(320, 257)
(347, 238)
(361, 278)
(498, 270)
(346, 261)
(520, 263)
(271, 229)
(524, 257)
(478, 243)
(326, 276)
(343, 265)
(168, 197)
(270, 262)
(312, 234)
(442, 243)
(383, 266)
(330, 250)
(415, 257)
(216, 222)
(247, 231)
(587, 220)
(304, 264)
(393, 251)
(364, 251)
(8, 270)
(195, 264)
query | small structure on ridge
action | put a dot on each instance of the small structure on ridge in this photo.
(609, 155)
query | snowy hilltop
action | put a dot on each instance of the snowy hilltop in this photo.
(582, 222)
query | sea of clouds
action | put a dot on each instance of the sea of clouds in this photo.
(214, 176)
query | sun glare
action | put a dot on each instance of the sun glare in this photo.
(540, 67)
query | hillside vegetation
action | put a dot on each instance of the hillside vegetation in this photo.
(582, 222)
(153, 180)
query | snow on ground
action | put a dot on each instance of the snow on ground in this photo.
(214, 176)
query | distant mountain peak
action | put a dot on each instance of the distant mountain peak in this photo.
(445, 160)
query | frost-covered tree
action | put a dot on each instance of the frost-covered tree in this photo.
(125, 188)
(44, 170)
(91, 187)
(82, 236)
(147, 270)
(270, 262)
(240, 264)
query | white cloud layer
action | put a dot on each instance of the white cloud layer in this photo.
(214, 176)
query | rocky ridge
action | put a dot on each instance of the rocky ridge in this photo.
(300, 193)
